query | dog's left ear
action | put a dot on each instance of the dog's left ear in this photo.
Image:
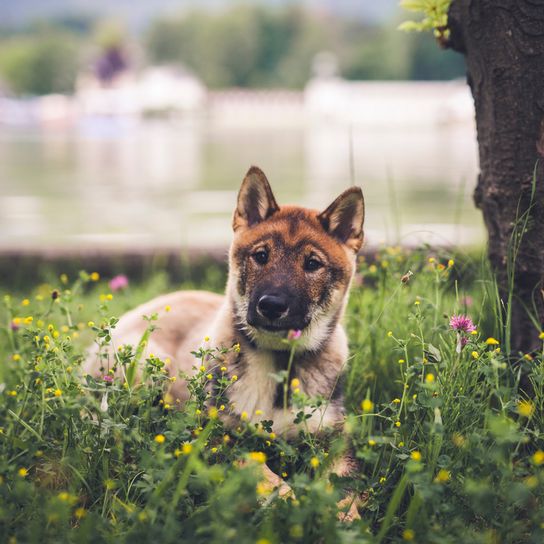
(255, 200)
(344, 218)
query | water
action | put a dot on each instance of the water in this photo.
(108, 185)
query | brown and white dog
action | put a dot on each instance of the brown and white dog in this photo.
(290, 269)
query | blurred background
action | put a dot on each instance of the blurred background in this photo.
(128, 126)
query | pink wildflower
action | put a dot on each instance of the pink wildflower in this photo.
(108, 378)
(462, 323)
(294, 334)
(118, 282)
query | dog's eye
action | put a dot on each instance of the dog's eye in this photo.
(312, 264)
(261, 256)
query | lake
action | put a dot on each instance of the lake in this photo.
(108, 184)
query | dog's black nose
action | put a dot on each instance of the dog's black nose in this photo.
(272, 306)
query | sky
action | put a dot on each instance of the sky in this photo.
(137, 14)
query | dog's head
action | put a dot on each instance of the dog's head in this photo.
(290, 267)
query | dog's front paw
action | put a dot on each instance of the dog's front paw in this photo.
(347, 510)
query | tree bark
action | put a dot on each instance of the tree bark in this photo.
(503, 43)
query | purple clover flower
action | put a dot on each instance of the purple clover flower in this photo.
(118, 282)
(294, 334)
(462, 323)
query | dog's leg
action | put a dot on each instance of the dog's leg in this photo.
(272, 481)
(348, 507)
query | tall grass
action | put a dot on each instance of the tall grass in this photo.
(449, 449)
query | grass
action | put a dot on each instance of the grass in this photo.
(449, 447)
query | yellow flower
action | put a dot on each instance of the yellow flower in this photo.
(262, 490)
(244, 416)
(22, 472)
(209, 376)
(257, 456)
(417, 302)
(401, 443)
(492, 341)
(80, 512)
(214, 450)
(538, 457)
(236, 348)
(295, 382)
(109, 296)
(383, 479)
(223, 369)
(167, 308)
(475, 354)
(25, 302)
(272, 436)
(234, 378)
(397, 424)
(58, 392)
(12, 393)
(89, 324)
(314, 462)
(432, 260)
(263, 541)
(541, 335)
(429, 378)
(16, 357)
(367, 405)
(528, 357)
(258, 412)
(206, 339)
(390, 333)
(451, 262)
(401, 361)
(186, 448)
(159, 439)
(415, 456)
(212, 412)
(474, 332)
(95, 276)
(371, 442)
(526, 408)
(63, 496)
(443, 476)
(396, 401)
(408, 534)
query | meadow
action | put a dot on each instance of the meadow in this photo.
(446, 424)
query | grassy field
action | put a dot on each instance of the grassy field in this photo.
(450, 448)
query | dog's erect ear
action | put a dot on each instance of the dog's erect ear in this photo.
(255, 200)
(344, 218)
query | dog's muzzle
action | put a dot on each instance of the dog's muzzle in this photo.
(277, 312)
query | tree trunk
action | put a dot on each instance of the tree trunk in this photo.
(503, 42)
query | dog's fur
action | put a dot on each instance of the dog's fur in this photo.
(289, 269)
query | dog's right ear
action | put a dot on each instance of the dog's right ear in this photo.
(255, 200)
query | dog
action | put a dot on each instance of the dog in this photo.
(290, 269)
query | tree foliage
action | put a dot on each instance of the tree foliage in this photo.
(41, 64)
